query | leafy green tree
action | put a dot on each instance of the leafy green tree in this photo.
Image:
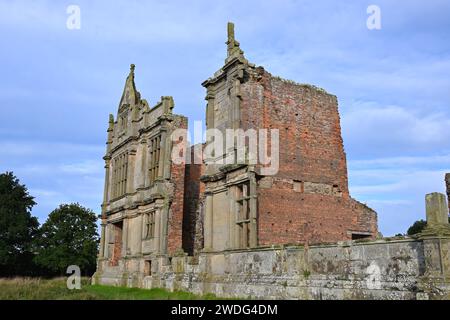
(17, 227)
(418, 227)
(68, 237)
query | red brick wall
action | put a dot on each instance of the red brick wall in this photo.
(175, 227)
(311, 146)
(311, 150)
(314, 218)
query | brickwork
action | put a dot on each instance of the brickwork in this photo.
(298, 217)
(177, 177)
(308, 122)
(311, 186)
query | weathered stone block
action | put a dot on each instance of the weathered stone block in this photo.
(436, 208)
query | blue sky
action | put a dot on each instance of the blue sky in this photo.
(59, 85)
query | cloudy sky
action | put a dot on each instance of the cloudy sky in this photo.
(58, 85)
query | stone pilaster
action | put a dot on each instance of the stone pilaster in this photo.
(157, 234)
(143, 169)
(162, 155)
(101, 253)
(253, 213)
(208, 228)
(232, 218)
(124, 237)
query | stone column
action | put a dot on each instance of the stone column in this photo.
(162, 154)
(106, 186)
(124, 237)
(143, 169)
(208, 229)
(139, 232)
(129, 188)
(101, 253)
(210, 110)
(437, 215)
(166, 147)
(164, 228)
(232, 217)
(437, 212)
(156, 236)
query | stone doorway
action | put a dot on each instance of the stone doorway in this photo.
(117, 248)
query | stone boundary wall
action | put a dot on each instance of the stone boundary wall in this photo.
(396, 269)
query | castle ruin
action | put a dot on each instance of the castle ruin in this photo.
(234, 229)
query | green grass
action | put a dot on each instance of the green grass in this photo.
(55, 289)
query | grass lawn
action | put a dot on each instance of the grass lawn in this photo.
(56, 289)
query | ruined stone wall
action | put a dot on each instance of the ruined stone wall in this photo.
(395, 269)
(308, 199)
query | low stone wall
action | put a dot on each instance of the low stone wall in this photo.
(395, 269)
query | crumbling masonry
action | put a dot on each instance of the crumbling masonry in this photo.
(235, 230)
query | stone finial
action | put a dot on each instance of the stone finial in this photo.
(232, 45)
(167, 104)
(437, 215)
(230, 29)
(111, 121)
(132, 66)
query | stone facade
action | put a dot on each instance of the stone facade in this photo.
(239, 229)
(142, 211)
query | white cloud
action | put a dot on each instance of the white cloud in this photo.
(394, 130)
(396, 187)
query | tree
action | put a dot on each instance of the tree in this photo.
(17, 227)
(418, 227)
(68, 237)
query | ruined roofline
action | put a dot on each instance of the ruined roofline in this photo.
(305, 85)
(235, 54)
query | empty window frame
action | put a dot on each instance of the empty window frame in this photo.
(243, 215)
(120, 173)
(149, 231)
(155, 150)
